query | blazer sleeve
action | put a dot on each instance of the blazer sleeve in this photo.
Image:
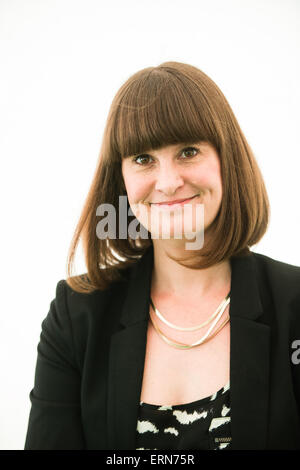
(55, 417)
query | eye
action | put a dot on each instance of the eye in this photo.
(145, 159)
(141, 159)
(190, 150)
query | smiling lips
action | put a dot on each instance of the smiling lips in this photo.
(171, 203)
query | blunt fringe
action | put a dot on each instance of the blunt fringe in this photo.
(157, 106)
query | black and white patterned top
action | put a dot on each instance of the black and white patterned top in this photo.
(202, 424)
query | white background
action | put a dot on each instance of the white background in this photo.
(62, 62)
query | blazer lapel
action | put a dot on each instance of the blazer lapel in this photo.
(127, 357)
(249, 358)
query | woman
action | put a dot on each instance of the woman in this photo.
(184, 340)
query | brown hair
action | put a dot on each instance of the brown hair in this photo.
(164, 105)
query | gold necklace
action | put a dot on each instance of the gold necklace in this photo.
(192, 328)
(203, 340)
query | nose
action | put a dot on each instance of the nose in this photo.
(168, 179)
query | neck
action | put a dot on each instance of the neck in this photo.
(171, 278)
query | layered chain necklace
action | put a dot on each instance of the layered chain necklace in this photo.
(215, 317)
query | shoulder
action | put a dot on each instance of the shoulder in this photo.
(278, 271)
(85, 310)
(279, 285)
(98, 302)
(275, 263)
(78, 320)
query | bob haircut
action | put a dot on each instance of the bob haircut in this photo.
(158, 106)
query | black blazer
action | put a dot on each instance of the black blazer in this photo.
(91, 354)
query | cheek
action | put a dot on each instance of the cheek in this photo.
(135, 187)
(210, 178)
(206, 179)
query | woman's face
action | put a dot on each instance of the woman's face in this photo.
(187, 172)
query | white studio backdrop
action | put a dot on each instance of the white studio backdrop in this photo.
(62, 61)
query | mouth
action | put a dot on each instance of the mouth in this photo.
(176, 202)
